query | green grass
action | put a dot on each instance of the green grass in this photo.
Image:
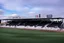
(29, 36)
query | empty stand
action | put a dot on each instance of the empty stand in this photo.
(34, 22)
(55, 24)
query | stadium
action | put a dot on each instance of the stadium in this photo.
(31, 21)
(31, 30)
(39, 23)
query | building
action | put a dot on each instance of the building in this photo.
(49, 16)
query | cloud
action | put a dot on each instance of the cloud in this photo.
(41, 2)
(19, 4)
(33, 7)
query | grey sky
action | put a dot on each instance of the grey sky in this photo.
(33, 7)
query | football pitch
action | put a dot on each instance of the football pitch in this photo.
(8, 35)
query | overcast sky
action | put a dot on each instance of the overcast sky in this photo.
(30, 8)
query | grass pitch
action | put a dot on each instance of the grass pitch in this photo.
(29, 36)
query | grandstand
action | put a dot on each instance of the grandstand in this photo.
(35, 23)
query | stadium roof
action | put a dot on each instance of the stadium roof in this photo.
(29, 18)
